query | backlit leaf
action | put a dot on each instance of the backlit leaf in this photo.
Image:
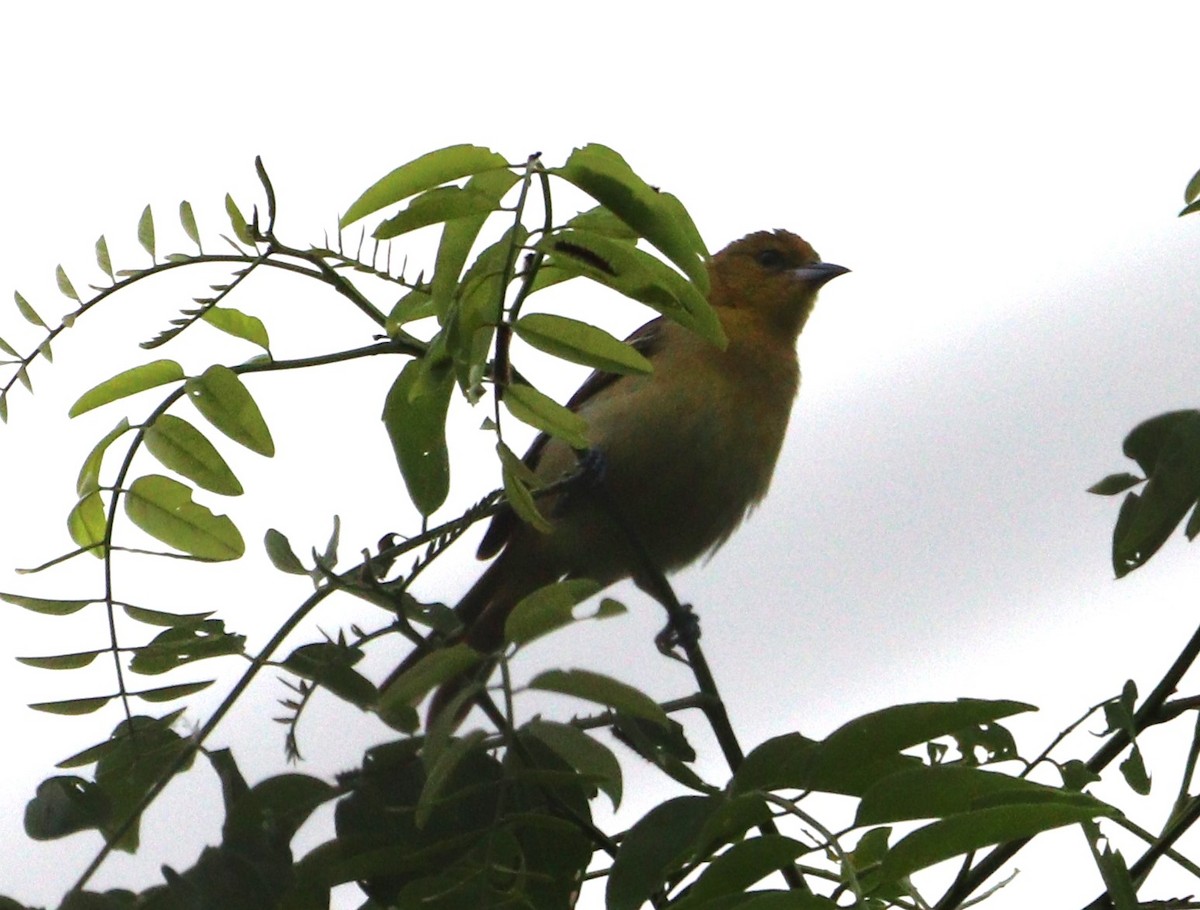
(426, 172)
(221, 397)
(579, 342)
(145, 232)
(185, 450)
(28, 312)
(414, 415)
(188, 219)
(163, 508)
(64, 283)
(89, 474)
(238, 324)
(102, 257)
(87, 523)
(530, 406)
(130, 382)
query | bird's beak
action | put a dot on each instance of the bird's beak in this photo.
(819, 273)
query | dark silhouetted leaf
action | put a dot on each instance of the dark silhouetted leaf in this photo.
(657, 847)
(601, 689)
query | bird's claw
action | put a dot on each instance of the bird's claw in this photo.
(682, 631)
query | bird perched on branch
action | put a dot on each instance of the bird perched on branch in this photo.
(682, 453)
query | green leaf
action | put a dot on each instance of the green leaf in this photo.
(181, 447)
(46, 606)
(435, 668)
(8, 348)
(416, 304)
(741, 866)
(579, 342)
(74, 706)
(655, 848)
(226, 403)
(666, 748)
(28, 312)
(63, 661)
(546, 609)
(279, 804)
(442, 773)
(87, 523)
(1115, 483)
(414, 415)
(163, 508)
(330, 664)
(241, 230)
(604, 690)
(601, 220)
(583, 753)
(102, 258)
(1121, 891)
(960, 834)
(935, 792)
(530, 406)
(238, 324)
(160, 618)
(170, 693)
(444, 203)
(145, 232)
(518, 479)
(621, 266)
(126, 383)
(659, 217)
(279, 551)
(64, 283)
(864, 751)
(173, 648)
(459, 235)
(1167, 449)
(64, 805)
(188, 219)
(143, 751)
(1193, 188)
(426, 172)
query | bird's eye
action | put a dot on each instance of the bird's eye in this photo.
(770, 259)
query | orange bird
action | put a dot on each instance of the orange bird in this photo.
(683, 452)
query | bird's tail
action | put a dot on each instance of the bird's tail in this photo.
(482, 612)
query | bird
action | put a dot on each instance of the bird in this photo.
(681, 454)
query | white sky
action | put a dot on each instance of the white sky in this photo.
(1002, 180)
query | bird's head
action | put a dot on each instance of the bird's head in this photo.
(775, 274)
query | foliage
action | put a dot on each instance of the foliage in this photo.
(504, 814)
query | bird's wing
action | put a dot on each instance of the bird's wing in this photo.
(646, 340)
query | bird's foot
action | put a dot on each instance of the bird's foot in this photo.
(592, 468)
(681, 631)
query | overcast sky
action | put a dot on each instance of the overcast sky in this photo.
(1003, 182)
